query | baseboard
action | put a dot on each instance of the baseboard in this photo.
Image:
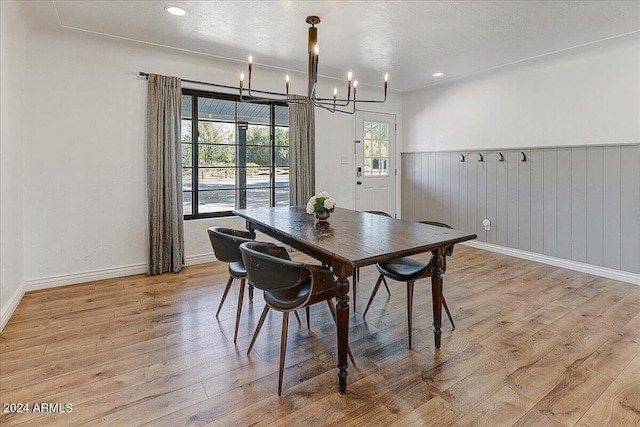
(609, 273)
(7, 311)
(105, 273)
(199, 259)
(84, 276)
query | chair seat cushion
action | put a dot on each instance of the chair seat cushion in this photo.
(402, 269)
(287, 299)
(236, 269)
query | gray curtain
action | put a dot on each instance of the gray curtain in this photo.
(164, 175)
(302, 144)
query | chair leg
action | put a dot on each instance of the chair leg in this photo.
(308, 318)
(283, 348)
(250, 293)
(356, 279)
(297, 317)
(239, 311)
(373, 294)
(224, 295)
(446, 308)
(386, 286)
(410, 308)
(335, 319)
(257, 331)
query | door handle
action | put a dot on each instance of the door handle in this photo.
(359, 182)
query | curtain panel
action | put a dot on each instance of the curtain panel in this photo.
(164, 175)
(302, 143)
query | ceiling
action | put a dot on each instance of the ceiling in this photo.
(408, 39)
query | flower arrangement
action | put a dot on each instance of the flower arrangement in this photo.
(321, 204)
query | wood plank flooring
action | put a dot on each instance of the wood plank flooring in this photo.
(535, 345)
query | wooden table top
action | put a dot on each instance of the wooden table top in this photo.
(351, 237)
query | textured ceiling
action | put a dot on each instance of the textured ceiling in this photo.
(409, 39)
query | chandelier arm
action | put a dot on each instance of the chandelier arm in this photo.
(256, 100)
(336, 102)
(336, 110)
(330, 100)
(284, 97)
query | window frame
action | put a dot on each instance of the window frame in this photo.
(196, 94)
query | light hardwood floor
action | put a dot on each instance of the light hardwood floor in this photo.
(535, 345)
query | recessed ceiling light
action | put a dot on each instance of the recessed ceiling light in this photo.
(437, 74)
(175, 10)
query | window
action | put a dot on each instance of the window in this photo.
(376, 148)
(237, 158)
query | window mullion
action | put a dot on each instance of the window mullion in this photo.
(272, 137)
(195, 136)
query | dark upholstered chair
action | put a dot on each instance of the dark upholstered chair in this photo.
(226, 246)
(409, 270)
(356, 271)
(287, 286)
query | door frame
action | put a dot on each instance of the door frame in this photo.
(393, 157)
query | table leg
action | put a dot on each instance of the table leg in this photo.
(342, 324)
(436, 289)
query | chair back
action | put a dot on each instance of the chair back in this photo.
(269, 269)
(226, 242)
(449, 249)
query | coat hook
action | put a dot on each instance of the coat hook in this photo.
(524, 156)
(481, 158)
(461, 157)
(501, 157)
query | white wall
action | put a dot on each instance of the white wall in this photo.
(12, 62)
(589, 95)
(85, 192)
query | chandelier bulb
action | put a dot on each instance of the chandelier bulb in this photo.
(355, 84)
(349, 75)
(386, 77)
(316, 49)
(250, 59)
(286, 78)
(242, 76)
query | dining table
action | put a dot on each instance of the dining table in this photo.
(351, 239)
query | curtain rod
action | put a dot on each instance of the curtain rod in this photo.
(146, 75)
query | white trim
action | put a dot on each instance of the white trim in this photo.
(84, 276)
(199, 259)
(623, 276)
(104, 273)
(516, 148)
(11, 306)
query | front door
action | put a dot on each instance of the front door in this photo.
(375, 172)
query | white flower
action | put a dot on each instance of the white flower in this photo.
(325, 201)
(329, 203)
(311, 204)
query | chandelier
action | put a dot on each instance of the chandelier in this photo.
(334, 104)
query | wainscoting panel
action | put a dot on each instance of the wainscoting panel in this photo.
(577, 203)
(612, 203)
(563, 216)
(550, 202)
(630, 209)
